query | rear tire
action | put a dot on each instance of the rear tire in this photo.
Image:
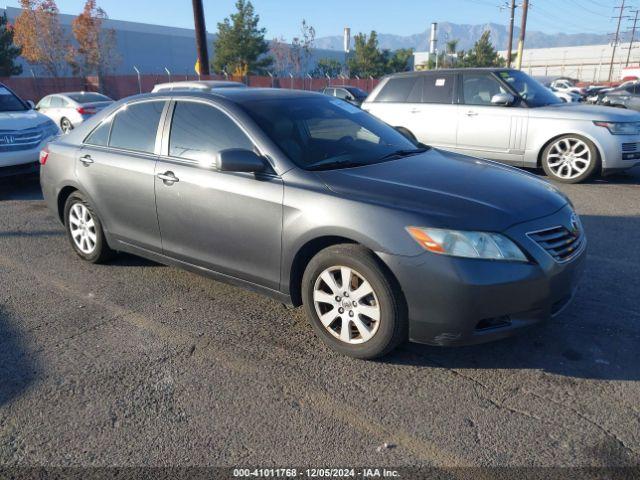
(366, 317)
(570, 159)
(84, 230)
(65, 125)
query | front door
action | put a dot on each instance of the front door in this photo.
(227, 222)
(486, 130)
(116, 167)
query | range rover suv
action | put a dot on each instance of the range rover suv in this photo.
(505, 115)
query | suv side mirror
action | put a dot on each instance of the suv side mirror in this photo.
(504, 99)
(32, 105)
(240, 160)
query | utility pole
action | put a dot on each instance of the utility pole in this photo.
(512, 10)
(616, 38)
(633, 35)
(523, 30)
(201, 37)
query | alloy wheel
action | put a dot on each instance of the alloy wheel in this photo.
(346, 304)
(569, 158)
(66, 126)
(83, 228)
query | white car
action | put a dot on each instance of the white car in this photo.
(564, 85)
(566, 97)
(23, 134)
(199, 85)
(70, 109)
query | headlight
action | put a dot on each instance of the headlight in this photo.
(620, 128)
(457, 243)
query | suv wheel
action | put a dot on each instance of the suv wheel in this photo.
(84, 230)
(570, 159)
(352, 304)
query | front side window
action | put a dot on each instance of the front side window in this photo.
(135, 127)
(9, 102)
(199, 131)
(56, 102)
(530, 90)
(479, 89)
(44, 103)
(342, 93)
(323, 133)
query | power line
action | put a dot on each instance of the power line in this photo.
(633, 35)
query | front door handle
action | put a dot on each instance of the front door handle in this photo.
(168, 178)
(471, 113)
(86, 160)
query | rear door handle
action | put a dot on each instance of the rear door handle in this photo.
(168, 178)
(471, 113)
(86, 160)
(415, 110)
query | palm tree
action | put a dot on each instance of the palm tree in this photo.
(452, 45)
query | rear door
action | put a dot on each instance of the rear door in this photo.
(486, 130)
(116, 167)
(224, 221)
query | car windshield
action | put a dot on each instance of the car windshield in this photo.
(323, 133)
(9, 102)
(530, 90)
(88, 97)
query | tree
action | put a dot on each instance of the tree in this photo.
(96, 51)
(240, 48)
(483, 54)
(279, 51)
(398, 61)
(8, 51)
(452, 46)
(367, 60)
(327, 66)
(39, 34)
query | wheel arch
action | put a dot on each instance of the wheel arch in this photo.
(63, 195)
(595, 142)
(310, 249)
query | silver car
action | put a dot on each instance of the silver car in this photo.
(312, 201)
(505, 115)
(70, 109)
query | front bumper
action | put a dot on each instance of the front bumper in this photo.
(619, 152)
(456, 301)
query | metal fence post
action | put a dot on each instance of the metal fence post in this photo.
(139, 79)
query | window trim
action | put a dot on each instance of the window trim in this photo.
(168, 121)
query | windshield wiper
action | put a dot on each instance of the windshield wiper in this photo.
(329, 164)
(403, 153)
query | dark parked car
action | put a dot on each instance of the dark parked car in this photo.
(627, 96)
(351, 94)
(315, 202)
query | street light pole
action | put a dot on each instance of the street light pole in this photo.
(201, 37)
(512, 10)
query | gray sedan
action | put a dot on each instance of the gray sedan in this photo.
(314, 202)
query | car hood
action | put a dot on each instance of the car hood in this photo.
(21, 120)
(450, 190)
(578, 111)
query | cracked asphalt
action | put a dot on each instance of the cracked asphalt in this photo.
(138, 364)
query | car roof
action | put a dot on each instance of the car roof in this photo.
(198, 84)
(235, 95)
(452, 70)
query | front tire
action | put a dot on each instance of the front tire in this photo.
(570, 159)
(352, 303)
(84, 230)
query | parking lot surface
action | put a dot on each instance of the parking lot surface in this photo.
(134, 363)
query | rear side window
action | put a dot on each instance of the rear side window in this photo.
(199, 131)
(397, 89)
(100, 136)
(438, 89)
(56, 102)
(135, 127)
(329, 91)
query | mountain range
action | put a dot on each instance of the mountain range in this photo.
(467, 35)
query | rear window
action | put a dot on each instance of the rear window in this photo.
(135, 128)
(397, 89)
(88, 97)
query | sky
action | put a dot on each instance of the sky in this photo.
(401, 17)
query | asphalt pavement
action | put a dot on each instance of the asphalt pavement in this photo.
(135, 363)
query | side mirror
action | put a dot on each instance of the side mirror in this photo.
(504, 99)
(32, 105)
(240, 160)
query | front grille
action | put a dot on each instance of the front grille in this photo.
(559, 242)
(629, 147)
(16, 140)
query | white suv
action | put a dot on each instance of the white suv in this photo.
(23, 133)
